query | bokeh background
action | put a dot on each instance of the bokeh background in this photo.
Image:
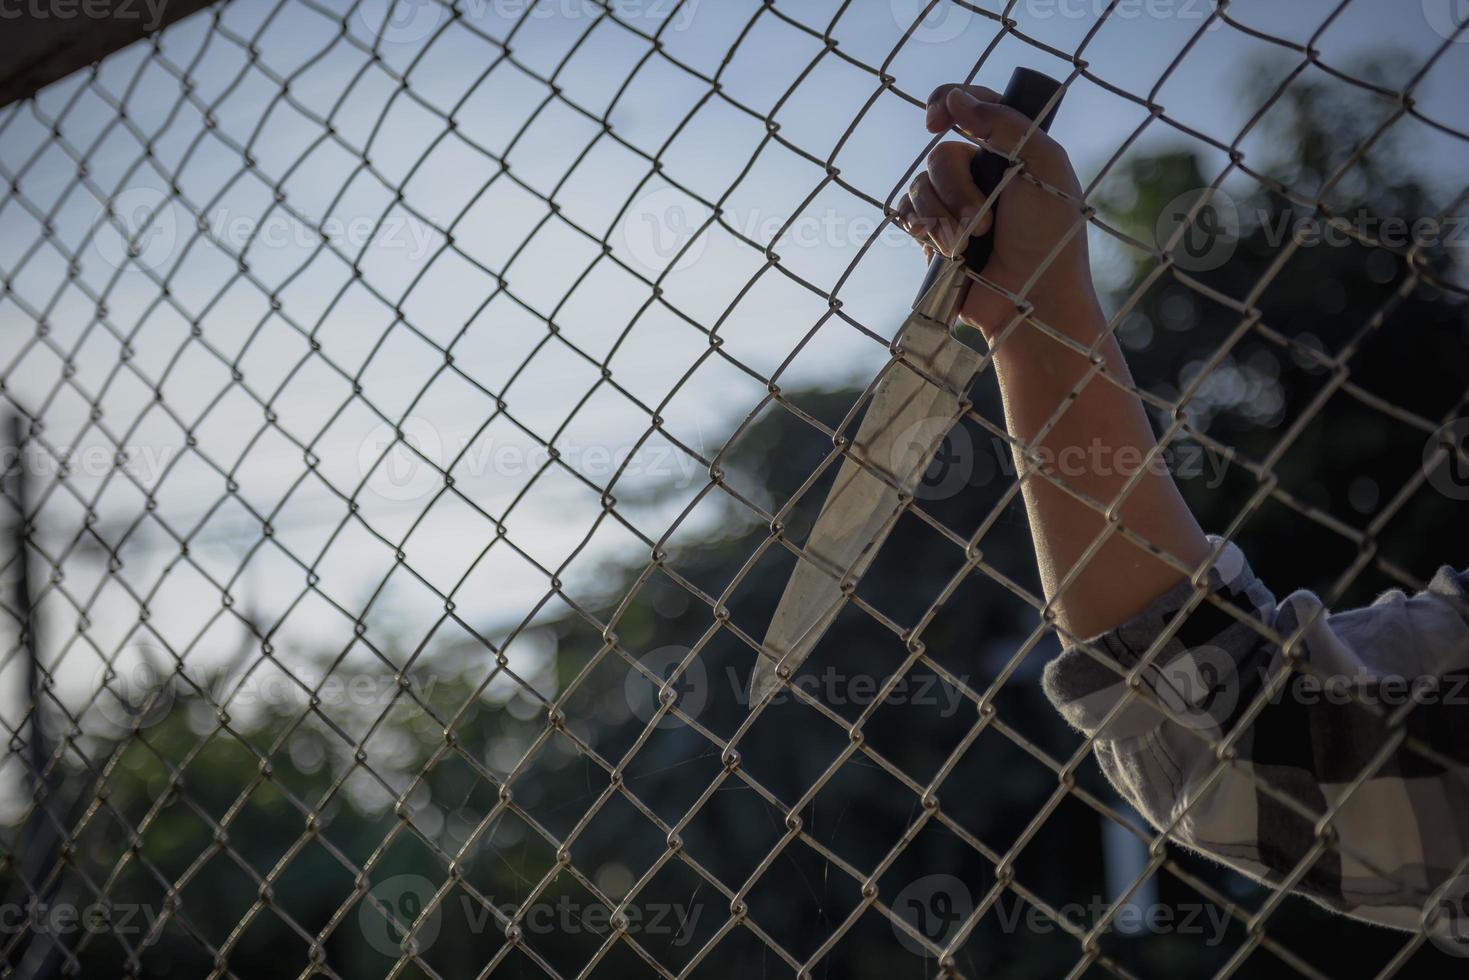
(290, 668)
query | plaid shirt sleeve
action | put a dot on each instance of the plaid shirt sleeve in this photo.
(1397, 837)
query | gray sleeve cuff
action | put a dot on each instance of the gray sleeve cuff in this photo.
(1192, 679)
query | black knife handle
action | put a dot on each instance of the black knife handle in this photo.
(1028, 93)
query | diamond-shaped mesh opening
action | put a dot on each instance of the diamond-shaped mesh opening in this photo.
(419, 410)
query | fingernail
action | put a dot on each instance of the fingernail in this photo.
(930, 115)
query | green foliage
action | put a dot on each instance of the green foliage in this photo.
(282, 795)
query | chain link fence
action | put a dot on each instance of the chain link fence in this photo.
(418, 408)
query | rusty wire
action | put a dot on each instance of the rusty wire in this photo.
(67, 718)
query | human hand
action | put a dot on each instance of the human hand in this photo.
(1032, 219)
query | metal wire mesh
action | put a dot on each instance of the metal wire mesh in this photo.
(68, 771)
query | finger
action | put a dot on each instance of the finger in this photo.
(930, 214)
(1003, 128)
(915, 227)
(904, 219)
(948, 173)
(937, 117)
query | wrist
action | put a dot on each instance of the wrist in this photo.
(1070, 309)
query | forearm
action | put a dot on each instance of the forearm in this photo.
(1101, 440)
(1095, 447)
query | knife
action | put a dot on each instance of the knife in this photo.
(915, 403)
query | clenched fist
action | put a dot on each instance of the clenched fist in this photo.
(1034, 221)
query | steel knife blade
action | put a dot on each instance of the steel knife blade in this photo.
(914, 405)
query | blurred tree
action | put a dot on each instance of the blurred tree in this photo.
(221, 804)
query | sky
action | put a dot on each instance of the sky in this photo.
(265, 181)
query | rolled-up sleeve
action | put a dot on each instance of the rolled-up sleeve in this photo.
(1370, 723)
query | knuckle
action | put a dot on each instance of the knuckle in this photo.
(950, 155)
(1048, 149)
